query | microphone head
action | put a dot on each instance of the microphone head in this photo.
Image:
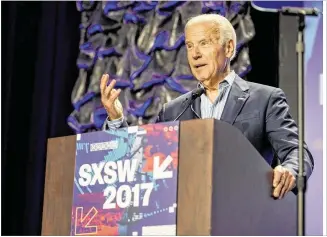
(197, 92)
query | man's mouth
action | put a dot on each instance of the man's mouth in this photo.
(199, 65)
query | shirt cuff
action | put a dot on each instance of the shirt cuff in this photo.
(115, 124)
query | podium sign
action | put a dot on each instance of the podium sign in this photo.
(125, 181)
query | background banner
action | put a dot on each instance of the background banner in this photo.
(313, 111)
(126, 181)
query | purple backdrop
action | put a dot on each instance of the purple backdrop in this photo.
(314, 119)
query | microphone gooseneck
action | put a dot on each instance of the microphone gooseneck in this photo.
(195, 94)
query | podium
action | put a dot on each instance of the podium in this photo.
(223, 184)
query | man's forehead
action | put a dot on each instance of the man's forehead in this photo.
(200, 30)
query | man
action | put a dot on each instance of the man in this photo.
(260, 112)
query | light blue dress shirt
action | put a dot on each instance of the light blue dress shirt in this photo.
(215, 109)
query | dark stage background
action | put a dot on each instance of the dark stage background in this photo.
(40, 48)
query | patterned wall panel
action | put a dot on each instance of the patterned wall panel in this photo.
(141, 45)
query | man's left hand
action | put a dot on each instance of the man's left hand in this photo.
(283, 181)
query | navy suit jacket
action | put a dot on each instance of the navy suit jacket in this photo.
(261, 113)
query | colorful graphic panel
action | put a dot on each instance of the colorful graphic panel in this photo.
(126, 181)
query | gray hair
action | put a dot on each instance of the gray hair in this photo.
(226, 29)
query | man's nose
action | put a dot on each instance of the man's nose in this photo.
(196, 54)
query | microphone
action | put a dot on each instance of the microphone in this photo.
(195, 94)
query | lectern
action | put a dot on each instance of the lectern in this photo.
(219, 182)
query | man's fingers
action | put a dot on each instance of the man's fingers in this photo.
(109, 98)
(283, 182)
(278, 190)
(277, 177)
(113, 97)
(114, 105)
(107, 91)
(114, 94)
(103, 84)
(286, 185)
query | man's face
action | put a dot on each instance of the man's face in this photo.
(207, 58)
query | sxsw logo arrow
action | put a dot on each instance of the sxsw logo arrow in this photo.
(160, 171)
(84, 222)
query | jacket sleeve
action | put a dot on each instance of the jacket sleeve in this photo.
(161, 117)
(120, 123)
(114, 124)
(283, 135)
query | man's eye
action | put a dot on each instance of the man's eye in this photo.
(189, 46)
(203, 43)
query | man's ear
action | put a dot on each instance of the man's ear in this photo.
(229, 48)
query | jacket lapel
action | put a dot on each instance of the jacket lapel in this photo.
(237, 97)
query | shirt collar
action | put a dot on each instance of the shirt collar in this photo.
(229, 79)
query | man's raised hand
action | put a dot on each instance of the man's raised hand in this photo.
(109, 98)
